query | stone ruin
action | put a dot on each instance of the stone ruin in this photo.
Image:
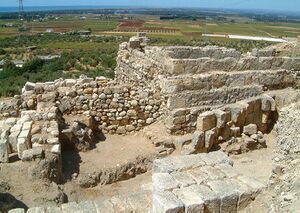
(206, 97)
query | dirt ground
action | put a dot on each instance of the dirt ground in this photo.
(114, 151)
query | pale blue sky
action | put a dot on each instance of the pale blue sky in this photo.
(288, 5)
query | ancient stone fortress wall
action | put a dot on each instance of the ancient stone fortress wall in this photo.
(203, 78)
(204, 95)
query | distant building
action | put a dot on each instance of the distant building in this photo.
(18, 63)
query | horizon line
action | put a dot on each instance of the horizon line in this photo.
(149, 7)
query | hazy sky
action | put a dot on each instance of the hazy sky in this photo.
(292, 5)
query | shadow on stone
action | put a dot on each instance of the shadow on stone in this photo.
(8, 202)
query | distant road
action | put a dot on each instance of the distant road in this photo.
(253, 38)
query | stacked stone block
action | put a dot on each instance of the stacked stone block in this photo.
(201, 183)
(227, 122)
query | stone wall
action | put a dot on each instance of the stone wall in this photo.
(212, 127)
(117, 108)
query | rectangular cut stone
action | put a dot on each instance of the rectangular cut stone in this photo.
(13, 141)
(244, 191)
(198, 175)
(229, 197)
(213, 173)
(21, 147)
(166, 202)
(206, 121)
(87, 207)
(192, 202)
(183, 178)
(36, 210)
(211, 199)
(228, 170)
(215, 158)
(172, 164)
(164, 182)
(252, 182)
(71, 207)
(210, 139)
(53, 209)
(222, 117)
(140, 201)
(104, 206)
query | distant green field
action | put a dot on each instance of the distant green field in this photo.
(80, 45)
(177, 28)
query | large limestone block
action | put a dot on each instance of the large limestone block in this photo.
(229, 197)
(213, 173)
(192, 202)
(164, 182)
(253, 183)
(172, 164)
(184, 179)
(211, 199)
(198, 175)
(228, 170)
(198, 141)
(222, 117)
(206, 121)
(244, 191)
(13, 141)
(167, 202)
(104, 206)
(210, 139)
(140, 201)
(22, 146)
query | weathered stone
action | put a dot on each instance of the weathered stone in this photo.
(104, 206)
(56, 149)
(229, 197)
(166, 202)
(250, 129)
(4, 158)
(87, 207)
(22, 146)
(163, 182)
(206, 121)
(211, 199)
(198, 140)
(192, 202)
(71, 207)
(210, 139)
